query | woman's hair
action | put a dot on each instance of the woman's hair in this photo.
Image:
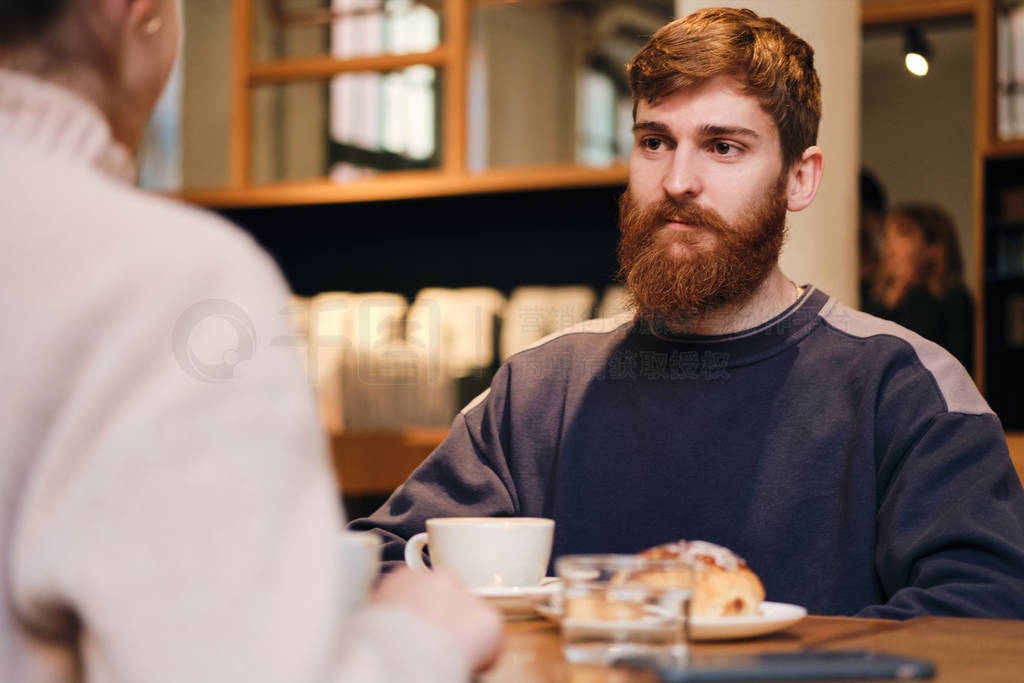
(22, 21)
(776, 66)
(946, 270)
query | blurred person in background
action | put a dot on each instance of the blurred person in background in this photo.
(919, 282)
(873, 204)
(168, 513)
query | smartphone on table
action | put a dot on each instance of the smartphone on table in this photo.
(817, 665)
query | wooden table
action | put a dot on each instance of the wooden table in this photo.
(963, 650)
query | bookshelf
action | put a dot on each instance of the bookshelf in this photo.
(1000, 170)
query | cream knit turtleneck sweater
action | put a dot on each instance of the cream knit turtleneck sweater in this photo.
(166, 507)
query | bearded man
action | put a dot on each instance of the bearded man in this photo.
(852, 463)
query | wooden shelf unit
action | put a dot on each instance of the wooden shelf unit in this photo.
(999, 149)
(318, 68)
(905, 11)
(374, 463)
(451, 57)
(1015, 441)
(992, 153)
(453, 178)
(410, 185)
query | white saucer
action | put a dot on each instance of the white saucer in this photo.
(519, 603)
(772, 617)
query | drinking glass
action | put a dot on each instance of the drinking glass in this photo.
(619, 606)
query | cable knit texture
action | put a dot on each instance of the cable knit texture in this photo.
(167, 511)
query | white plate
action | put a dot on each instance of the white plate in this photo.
(772, 617)
(519, 603)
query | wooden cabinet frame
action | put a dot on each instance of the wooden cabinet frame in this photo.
(452, 56)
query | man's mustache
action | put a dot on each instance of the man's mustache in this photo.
(689, 213)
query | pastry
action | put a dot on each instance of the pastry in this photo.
(724, 587)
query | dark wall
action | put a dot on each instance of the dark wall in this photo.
(549, 237)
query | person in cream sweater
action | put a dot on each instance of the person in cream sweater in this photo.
(168, 512)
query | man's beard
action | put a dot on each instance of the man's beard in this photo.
(673, 276)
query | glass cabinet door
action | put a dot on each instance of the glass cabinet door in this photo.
(346, 90)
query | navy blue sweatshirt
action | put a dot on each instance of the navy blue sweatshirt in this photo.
(851, 462)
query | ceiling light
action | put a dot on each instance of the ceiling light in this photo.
(917, 51)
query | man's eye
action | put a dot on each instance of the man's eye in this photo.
(652, 144)
(723, 148)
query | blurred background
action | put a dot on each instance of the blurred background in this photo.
(439, 180)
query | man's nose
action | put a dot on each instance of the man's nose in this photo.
(682, 177)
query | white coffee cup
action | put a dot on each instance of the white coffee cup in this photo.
(486, 552)
(360, 566)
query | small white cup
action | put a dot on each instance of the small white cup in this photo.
(486, 552)
(360, 566)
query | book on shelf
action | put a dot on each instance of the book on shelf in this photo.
(1009, 254)
(1015, 321)
(1010, 72)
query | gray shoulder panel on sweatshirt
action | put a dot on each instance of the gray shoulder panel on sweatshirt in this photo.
(592, 326)
(955, 385)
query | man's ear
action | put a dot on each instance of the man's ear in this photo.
(119, 18)
(139, 13)
(119, 12)
(804, 178)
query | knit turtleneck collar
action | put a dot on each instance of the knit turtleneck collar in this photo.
(52, 120)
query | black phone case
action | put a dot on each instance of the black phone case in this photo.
(821, 665)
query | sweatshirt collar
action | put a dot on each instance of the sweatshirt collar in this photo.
(748, 346)
(51, 120)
